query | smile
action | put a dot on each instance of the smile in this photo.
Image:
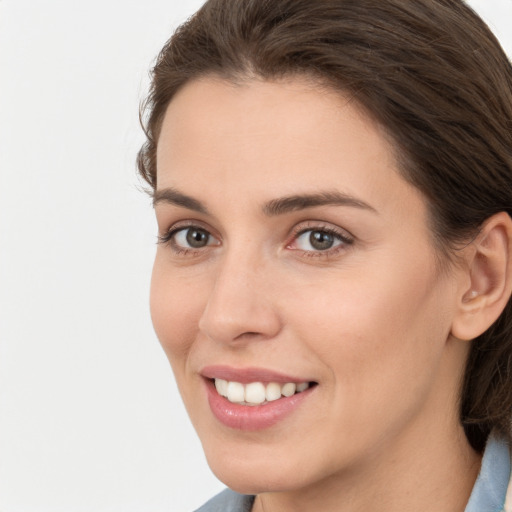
(257, 393)
(254, 398)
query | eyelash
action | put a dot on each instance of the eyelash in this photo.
(342, 236)
(338, 234)
(169, 239)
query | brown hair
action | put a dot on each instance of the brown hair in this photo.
(430, 71)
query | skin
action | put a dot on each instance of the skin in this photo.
(369, 321)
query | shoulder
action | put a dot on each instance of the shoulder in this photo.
(228, 501)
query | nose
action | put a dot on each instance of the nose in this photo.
(241, 305)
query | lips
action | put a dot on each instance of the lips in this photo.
(253, 398)
(247, 375)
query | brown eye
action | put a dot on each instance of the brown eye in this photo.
(197, 238)
(185, 239)
(320, 240)
(190, 238)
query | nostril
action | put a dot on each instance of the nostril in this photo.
(249, 334)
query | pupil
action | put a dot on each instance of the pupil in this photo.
(197, 238)
(321, 240)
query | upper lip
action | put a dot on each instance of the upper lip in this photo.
(249, 374)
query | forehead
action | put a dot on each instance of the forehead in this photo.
(268, 138)
(212, 104)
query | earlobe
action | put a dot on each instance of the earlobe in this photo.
(489, 266)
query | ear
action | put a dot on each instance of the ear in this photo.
(488, 282)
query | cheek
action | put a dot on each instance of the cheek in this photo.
(382, 335)
(175, 312)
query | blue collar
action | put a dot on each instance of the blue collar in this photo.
(491, 485)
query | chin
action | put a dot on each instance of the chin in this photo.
(258, 469)
(248, 479)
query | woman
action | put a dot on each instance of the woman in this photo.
(332, 182)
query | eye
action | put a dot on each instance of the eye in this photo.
(319, 240)
(316, 240)
(194, 238)
(190, 238)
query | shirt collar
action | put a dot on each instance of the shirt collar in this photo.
(491, 485)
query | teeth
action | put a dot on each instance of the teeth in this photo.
(257, 393)
(235, 392)
(289, 389)
(222, 386)
(273, 392)
(302, 387)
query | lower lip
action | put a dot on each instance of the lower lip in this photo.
(255, 417)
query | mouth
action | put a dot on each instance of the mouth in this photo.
(254, 399)
(258, 393)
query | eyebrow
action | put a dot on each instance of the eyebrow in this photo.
(293, 203)
(173, 196)
(279, 206)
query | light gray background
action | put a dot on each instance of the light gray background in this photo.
(90, 419)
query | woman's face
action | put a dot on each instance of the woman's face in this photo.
(293, 253)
